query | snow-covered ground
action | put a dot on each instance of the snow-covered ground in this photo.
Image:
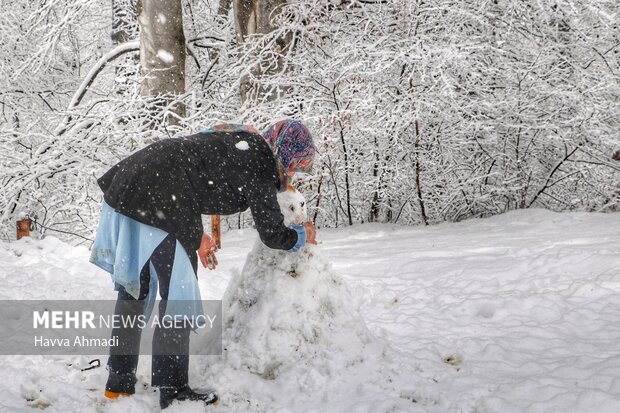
(515, 313)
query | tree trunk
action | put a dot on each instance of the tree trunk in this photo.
(254, 17)
(224, 7)
(125, 30)
(162, 55)
(418, 169)
(124, 21)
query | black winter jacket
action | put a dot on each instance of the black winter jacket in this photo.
(170, 183)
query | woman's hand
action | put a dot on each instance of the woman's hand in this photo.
(206, 252)
(310, 232)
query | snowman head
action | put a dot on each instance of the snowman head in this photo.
(293, 206)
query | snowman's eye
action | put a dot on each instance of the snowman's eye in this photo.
(302, 204)
(292, 208)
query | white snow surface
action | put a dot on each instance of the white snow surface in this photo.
(514, 313)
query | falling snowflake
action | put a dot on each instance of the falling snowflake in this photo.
(165, 56)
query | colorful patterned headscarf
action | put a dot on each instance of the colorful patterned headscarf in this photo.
(293, 148)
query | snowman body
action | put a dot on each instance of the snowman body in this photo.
(285, 307)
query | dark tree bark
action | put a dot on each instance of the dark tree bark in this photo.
(124, 30)
(224, 7)
(124, 21)
(255, 17)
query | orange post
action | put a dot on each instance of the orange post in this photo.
(23, 228)
(215, 230)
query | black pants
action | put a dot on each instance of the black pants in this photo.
(170, 361)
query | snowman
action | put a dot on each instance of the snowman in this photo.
(286, 308)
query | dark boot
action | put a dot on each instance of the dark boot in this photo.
(123, 359)
(167, 395)
(120, 384)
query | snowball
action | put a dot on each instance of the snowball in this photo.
(293, 207)
(165, 56)
(161, 18)
(242, 145)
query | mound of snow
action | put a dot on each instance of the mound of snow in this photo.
(284, 308)
(291, 320)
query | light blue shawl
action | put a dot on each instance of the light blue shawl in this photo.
(123, 246)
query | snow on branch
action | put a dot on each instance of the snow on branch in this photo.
(92, 74)
(118, 51)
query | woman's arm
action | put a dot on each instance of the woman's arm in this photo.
(267, 216)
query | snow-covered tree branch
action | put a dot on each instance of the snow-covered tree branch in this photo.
(422, 111)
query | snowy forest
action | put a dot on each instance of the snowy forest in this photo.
(423, 111)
